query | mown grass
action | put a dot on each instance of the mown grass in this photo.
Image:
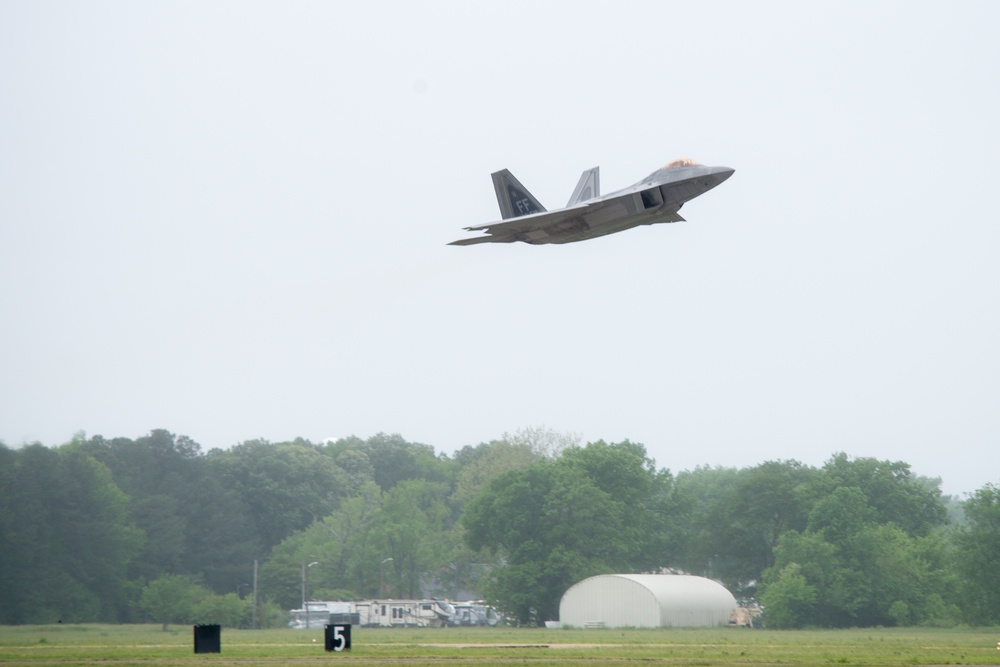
(69, 645)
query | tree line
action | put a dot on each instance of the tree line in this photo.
(155, 529)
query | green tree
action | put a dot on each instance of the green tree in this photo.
(411, 528)
(890, 489)
(393, 459)
(558, 521)
(10, 556)
(281, 575)
(220, 540)
(96, 528)
(841, 515)
(852, 571)
(479, 465)
(359, 469)
(226, 610)
(163, 523)
(735, 534)
(770, 500)
(646, 495)
(352, 550)
(699, 492)
(375, 544)
(977, 557)
(531, 518)
(285, 486)
(159, 473)
(31, 570)
(193, 523)
(344, 546)
(172, 599)
(816, 562)
(790, 599)
(68, 538)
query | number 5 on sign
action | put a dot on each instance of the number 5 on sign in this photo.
(338, 638)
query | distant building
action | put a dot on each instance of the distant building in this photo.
(646, 601)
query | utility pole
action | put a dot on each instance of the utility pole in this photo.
(305, 599)
(254, 622)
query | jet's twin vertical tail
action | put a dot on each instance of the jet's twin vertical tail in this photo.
(514, 198)
(588, 187)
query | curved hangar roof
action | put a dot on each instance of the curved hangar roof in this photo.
(646, 601)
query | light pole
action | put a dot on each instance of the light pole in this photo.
(305, 600)
(381, 575)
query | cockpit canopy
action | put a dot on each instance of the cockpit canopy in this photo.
(681, 162)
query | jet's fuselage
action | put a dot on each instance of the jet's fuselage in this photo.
(656, 198)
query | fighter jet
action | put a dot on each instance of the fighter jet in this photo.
(656, 198)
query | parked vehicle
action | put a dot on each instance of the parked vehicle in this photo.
(319, 613)
(475, 613)
(416, 613)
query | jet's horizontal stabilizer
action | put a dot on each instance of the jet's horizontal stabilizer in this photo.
(483, 239)
(588, 187)
(514, 198)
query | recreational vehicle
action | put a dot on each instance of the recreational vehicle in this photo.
(414, 613)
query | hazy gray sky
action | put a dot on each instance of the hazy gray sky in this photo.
(228, 219)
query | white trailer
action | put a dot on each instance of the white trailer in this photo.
(317, 613)
(406, 613)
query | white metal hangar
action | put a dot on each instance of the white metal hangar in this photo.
(646, 601)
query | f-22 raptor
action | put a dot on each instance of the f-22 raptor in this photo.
(656, 198)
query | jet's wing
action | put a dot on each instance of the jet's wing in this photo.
(519, 228)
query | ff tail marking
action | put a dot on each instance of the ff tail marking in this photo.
(514, 198)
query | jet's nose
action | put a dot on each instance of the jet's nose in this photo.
(713, 176)
(719, 174)
(697, 183)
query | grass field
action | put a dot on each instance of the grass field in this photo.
(68, 645)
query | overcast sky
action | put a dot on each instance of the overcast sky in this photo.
(229, 220)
